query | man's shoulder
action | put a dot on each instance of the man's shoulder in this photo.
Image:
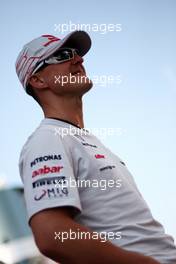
(38, 135)
(43, 135)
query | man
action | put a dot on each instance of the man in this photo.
(73, 219)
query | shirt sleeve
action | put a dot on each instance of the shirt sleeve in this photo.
(47, 173)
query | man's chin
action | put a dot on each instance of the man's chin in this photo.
(83, 87)
(82, 84)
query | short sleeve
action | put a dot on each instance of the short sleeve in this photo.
(46, 169)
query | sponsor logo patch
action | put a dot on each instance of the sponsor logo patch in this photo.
(45, 158)
(49, 181)
(89, 145)
(40, 196)
(51, 193)
(99, 156)
(107, 167)
(46, 170)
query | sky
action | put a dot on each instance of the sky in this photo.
(139, 104)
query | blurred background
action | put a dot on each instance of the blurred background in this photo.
(139, 104)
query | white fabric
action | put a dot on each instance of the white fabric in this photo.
(81, 157)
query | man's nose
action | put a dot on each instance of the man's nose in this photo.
(77, 59)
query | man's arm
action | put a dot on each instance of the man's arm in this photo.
(44, 225)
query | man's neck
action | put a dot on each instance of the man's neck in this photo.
(68, 110)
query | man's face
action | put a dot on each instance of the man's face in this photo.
(67, 78)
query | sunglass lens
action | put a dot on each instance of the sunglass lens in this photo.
(65, 54)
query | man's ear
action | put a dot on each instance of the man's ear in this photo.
(37, 81)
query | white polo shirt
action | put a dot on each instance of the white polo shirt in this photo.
(62, 165)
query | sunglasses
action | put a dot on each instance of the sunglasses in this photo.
(62, 55)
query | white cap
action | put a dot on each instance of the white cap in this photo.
(43, 47)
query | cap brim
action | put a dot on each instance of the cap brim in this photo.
(79, 40)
